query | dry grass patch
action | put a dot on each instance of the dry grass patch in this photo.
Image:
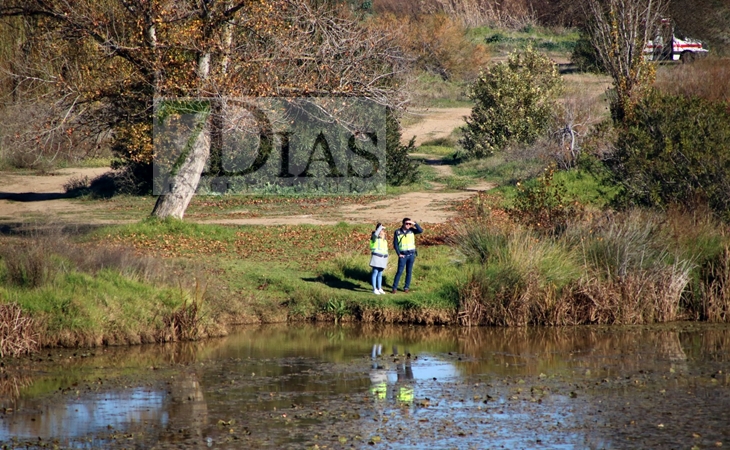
(699, 79)
(19, 333)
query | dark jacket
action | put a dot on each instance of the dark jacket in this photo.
(415, 229)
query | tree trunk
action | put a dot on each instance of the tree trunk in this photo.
(185, 181)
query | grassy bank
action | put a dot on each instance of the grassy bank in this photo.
(157, 281)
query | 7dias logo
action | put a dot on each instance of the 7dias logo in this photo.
(272, 145)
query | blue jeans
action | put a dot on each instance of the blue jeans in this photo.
(377, 278)
(406, 262)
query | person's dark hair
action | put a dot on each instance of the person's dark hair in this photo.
(406, 219)
(378, 225)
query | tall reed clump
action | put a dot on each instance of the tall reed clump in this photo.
(714, 291)
(630, 277)
(186, 322)
(622, 268)
(516, 278)
(698, 235)
(19, 333)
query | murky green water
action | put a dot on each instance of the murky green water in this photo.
(300, 386)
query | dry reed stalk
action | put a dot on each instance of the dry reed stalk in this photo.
(471, 309)
(637, 298)
(698, 79)
(19, 333)
(182, 324)
(716, 295)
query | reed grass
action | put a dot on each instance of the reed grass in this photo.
(700, 79)
(625, 268)
(19, 332)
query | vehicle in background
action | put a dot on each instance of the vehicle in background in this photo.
(675, 49)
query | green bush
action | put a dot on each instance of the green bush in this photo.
(543, 204)
(675, 149)
(585, 56)
(400, 169)
(515, 101)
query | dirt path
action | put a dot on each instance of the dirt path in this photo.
(434, 123)
(41, 197)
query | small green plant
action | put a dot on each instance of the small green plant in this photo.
(337, 307)
(457, 183)
(543, 204)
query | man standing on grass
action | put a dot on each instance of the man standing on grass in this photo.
(404, 243)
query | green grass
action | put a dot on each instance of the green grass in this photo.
(313, 270)
(438, 148)
(430, 90)
(105, 304)
(587, 188)
(540, 38)
(500, 169)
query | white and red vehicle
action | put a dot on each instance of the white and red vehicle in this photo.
(675, 49)
(685, 50)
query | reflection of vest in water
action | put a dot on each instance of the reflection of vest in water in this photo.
(379, 390)
(405, 394)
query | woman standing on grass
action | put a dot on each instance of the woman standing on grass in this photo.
(378, 258)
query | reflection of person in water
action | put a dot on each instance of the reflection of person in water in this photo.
(404, 381)
(401, 379)
(378, 376)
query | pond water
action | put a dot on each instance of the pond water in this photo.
(395, 387)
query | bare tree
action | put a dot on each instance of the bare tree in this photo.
(619, 30)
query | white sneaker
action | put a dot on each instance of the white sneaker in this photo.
(381, 291)
(376, 292)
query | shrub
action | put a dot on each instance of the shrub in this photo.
(543, 204)
(585, 56)
(675, 150)
(440, 46)
(515, 102)
(400, 169)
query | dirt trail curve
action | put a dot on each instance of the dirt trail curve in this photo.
(41, 197)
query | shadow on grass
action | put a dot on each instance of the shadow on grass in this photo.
(30, 229)
(344, 282)
(336, 282)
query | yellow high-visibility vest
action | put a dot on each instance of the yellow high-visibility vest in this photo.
(379, 246)
(407, 241)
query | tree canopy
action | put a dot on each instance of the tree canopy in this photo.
(103, 62)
